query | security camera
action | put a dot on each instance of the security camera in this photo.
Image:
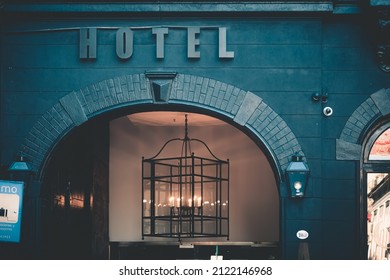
(327, 111)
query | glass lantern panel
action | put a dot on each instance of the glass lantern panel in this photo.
(198, 192)
(146, 202)
(224, 227)
(225, 199)
(162, 227)
(146, 226)
(209, 227)
(162, 170)
(209, 199)
(197, 227)
(210, 170)
(186, 227)
(162, 198)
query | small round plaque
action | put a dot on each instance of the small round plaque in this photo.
(302, 234)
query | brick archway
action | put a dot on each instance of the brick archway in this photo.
(348, 146)
(242, 107)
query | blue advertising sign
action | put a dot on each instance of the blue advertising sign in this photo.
(11, 201)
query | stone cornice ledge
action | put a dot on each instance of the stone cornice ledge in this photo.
(173, 7)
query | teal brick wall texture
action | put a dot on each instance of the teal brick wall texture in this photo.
(242, 107)
(348, 145)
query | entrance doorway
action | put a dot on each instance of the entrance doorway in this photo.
(75, 196)
(253, 195)
(92, 191)
(377, 179)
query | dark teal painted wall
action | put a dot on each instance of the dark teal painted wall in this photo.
(284, 60)
(273, 58)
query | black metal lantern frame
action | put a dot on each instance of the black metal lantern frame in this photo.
(185, 196)
(21, 170)
(297, 174)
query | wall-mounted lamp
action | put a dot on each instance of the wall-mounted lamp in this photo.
(323, 97)
(20, 170)
(297, 174)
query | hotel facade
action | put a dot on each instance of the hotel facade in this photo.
(291, 99)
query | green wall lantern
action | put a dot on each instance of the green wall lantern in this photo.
(20, 170)
(297, 175)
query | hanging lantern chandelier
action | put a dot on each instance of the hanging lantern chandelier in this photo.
(185, 196)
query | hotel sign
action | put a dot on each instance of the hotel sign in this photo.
(124, 42)
(11, 201)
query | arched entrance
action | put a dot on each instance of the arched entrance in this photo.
(366, 124)
(253, 201)
(109, 99)
(376, 178)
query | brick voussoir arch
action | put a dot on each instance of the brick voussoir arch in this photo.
(242, 107)
(348, 146)
(245, 108)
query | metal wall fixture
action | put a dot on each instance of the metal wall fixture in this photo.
(185, 196)
(317, 97)
(327, 111)
(323, 98)
(297, 175)
(20, 170)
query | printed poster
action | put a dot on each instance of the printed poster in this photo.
(11, 201)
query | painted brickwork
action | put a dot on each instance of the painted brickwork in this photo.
(245, 108)
(376, 106)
